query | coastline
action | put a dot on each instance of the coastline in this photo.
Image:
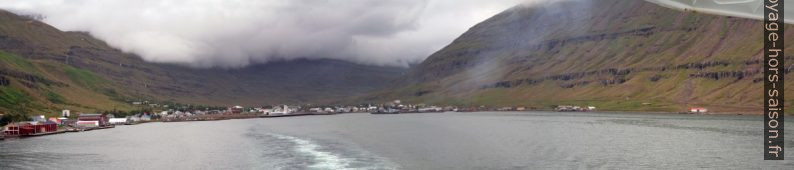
(257, 116)
(404, 140)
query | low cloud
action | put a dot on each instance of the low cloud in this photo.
(237, 33)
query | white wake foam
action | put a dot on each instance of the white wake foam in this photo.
(323, 159)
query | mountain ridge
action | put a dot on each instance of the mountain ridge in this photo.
(48, 70)
(615, 55)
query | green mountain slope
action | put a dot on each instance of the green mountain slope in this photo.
(612, 54)
(44, 70)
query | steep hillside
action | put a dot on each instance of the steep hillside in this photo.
(44, 70)
(613, 54)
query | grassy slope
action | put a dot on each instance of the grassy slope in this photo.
(603, 36)
(80, 89)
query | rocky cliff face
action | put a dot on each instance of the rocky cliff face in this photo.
(614, 54)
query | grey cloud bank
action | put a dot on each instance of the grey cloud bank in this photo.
(237, 33)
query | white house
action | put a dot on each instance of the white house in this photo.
(65, 113)
(698, 110)
(88, 123)
(120, 121)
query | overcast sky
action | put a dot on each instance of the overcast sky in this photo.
(236, 33)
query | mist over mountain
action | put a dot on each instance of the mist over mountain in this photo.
(612, 54)
(43, 70)
(237, 33)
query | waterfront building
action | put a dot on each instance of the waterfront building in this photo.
(30, 128)
(120, 121)
(698, 110)
(95, 119)
(12, 129)
(316, 110)
(88, 123)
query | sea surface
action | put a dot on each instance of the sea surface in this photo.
(484, 140)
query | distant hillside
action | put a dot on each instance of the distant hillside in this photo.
(44, 70)
(612, 54)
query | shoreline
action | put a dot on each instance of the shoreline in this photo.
(238, 116)
(648, 112)
(3, 136)
(678, 113)
(258, 116)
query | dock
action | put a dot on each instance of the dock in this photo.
(3, 137)
(44, 134)
(83, 129)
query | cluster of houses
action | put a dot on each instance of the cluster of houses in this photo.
(575, 108)
(149, 104)
(341, 109)
(286, 109)
(277, 110)
(397, 106)
(394, 106)
(389, 107)
(41, 125)
(171, 114)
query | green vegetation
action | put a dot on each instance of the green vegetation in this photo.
(16, 62)
(13, 103)
(13, 99)
(84, 77)
(55, 98)
(13, 117)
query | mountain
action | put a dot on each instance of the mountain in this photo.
(612, 54)
(43, 70)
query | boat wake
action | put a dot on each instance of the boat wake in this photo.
(325, 160)
(308, 154)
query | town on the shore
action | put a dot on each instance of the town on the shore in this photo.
(41, 125)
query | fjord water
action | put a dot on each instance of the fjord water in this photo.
(486, 140)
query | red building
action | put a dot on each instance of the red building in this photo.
(24, 129)
(100, 119)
